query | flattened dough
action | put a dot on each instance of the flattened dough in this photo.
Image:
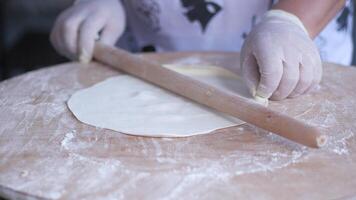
(132, 106)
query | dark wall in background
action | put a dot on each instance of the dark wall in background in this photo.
(2, 68)
(24, 35)
(354, 34)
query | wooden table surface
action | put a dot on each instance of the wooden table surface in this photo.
(46, 153)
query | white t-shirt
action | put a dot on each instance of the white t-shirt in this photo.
(220, 25)
(335, 41)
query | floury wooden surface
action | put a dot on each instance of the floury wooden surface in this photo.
(242, 108)
(46, 153)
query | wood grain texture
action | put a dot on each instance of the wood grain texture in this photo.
(46, 153)
(232, 104)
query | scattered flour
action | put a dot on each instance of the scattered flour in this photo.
(64, 154)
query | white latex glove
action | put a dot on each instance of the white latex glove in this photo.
(279, 59)
(77, 28)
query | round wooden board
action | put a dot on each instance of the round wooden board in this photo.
(46, 153)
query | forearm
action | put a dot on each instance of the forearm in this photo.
(315, 14)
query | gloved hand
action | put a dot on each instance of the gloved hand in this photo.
(77, 28)
(279, 59)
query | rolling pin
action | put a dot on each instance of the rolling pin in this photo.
(229, 103)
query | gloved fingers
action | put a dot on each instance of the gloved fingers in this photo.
(318, 72)
(288, 82)
(64, 33)
(111, 33)
(88, 34)
(271, 69)
(69, 35)
(250, 73)
(306, 77)
(290, 76)
(56, 39)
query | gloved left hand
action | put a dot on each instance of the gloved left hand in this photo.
(78, 27)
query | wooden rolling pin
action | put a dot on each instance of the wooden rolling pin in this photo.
(212, 97)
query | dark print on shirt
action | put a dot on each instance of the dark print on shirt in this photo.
(149, 11)
(343, 19)
(253, 23)
(200, 10)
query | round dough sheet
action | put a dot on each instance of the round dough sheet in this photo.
(132, 106)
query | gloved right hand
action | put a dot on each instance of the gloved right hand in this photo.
(77, 28)
(279, 59)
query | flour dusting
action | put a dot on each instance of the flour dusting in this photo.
(61, 158)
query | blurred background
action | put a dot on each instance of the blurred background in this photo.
(24, 31)
(24, 35)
